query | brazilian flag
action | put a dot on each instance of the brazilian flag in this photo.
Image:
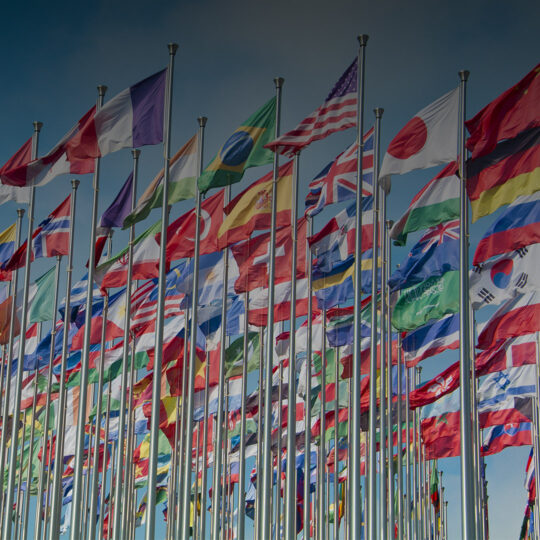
(243, 149)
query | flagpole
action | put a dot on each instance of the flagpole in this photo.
(186, 485)
(307, 397)
(158, 359)
(400, 425)
(22, 341)
(322, 439)
(204, 479)
(258, 493)
(45, 443)
(336, 443)
(290, 512)
(8, 362)
(356, 501)
(121, 481)
(267, 471)
(20, 475)
(467, 489)
(54, 524)
(279, 454)
(416, 466)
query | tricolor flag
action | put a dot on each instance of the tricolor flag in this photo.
(182, 177)
(505, 276)
(431, 339)
(436, 202)
(113, 273)
(7, 248)
(496, 438)
(132, 118)
(338, 112)
(517, 227)
(250, 210)
(337, 181)
(428, 139)
(51, 237)
(243, 149)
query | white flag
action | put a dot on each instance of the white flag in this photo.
(429, 139)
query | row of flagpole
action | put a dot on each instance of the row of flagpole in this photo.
(375, 503)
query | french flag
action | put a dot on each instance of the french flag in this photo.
(133, 118)
(51, 237)
(519, 226)
(431, 339)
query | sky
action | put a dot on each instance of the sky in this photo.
(54, 54)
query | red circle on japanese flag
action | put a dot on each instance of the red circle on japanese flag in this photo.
(410, 140)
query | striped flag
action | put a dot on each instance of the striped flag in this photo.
(338, 112)
(337, 181)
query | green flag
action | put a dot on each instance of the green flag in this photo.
(42, 303)
(431, 299)
(243, 149)
(234, 356)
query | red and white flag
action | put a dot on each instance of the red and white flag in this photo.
(338, 112)
(429, 139)
(518, 351)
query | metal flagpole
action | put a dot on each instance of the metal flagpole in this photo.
(279, 453)
(242, 451)
(121, 480)
(374, 499)
(322, 440)
(258, 492)
(266, 468)
(7, 364)
(44, 466)
(347, 508)
(186, 481)
(407, 450)
(158, 359)
(204, 479)
(171, 495)
(196, 489)
(416, 466)
(16, 510)
(105, 452)
(336, 444)
(79, 444)
(400, 429)
(354, 473)
(56, 507)
(222, 480)
(290, 511)
(307, 397)
(22, 341)
(467, 488)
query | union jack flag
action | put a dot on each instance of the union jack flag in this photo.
(437, 235)
(337, 181)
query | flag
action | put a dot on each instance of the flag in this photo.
(429, 139)
(337, 181)
(431, 339)
(496, 438)
(518, 316)
(431, 299)
(442, 384)
(131, 119)
(251, 209)
(513, 352)
(21, 158)
(243, 149)
(504, 276)
(113, 273)
(436, 253)
(513, 112)
(510, 170)
(181, 232)
(338, 112)
(42, 308)
(516, 227)
(253, 258)
(121, 206)
(7, 248)
(56, 162)
(51, 237)
(434, 489)
(182, 175)
(436, 202)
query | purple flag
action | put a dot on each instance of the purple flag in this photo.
(121, 206)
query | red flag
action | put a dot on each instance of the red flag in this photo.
(439, 386)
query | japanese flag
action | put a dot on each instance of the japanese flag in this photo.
(429, 139)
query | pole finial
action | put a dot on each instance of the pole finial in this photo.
(101, 89)
(110, 232)
(20, 212)
(363, 39)
(463, 75)
(75, 183)
(378, 112)
(135, 152)
(202, 121)
(37, 126)
(278, 81)
(173, 47)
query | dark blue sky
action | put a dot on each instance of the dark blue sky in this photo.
(53, 55)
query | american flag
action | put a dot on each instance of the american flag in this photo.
(338, 112)
(337, 181)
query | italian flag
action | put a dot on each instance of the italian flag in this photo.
(437, 202)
